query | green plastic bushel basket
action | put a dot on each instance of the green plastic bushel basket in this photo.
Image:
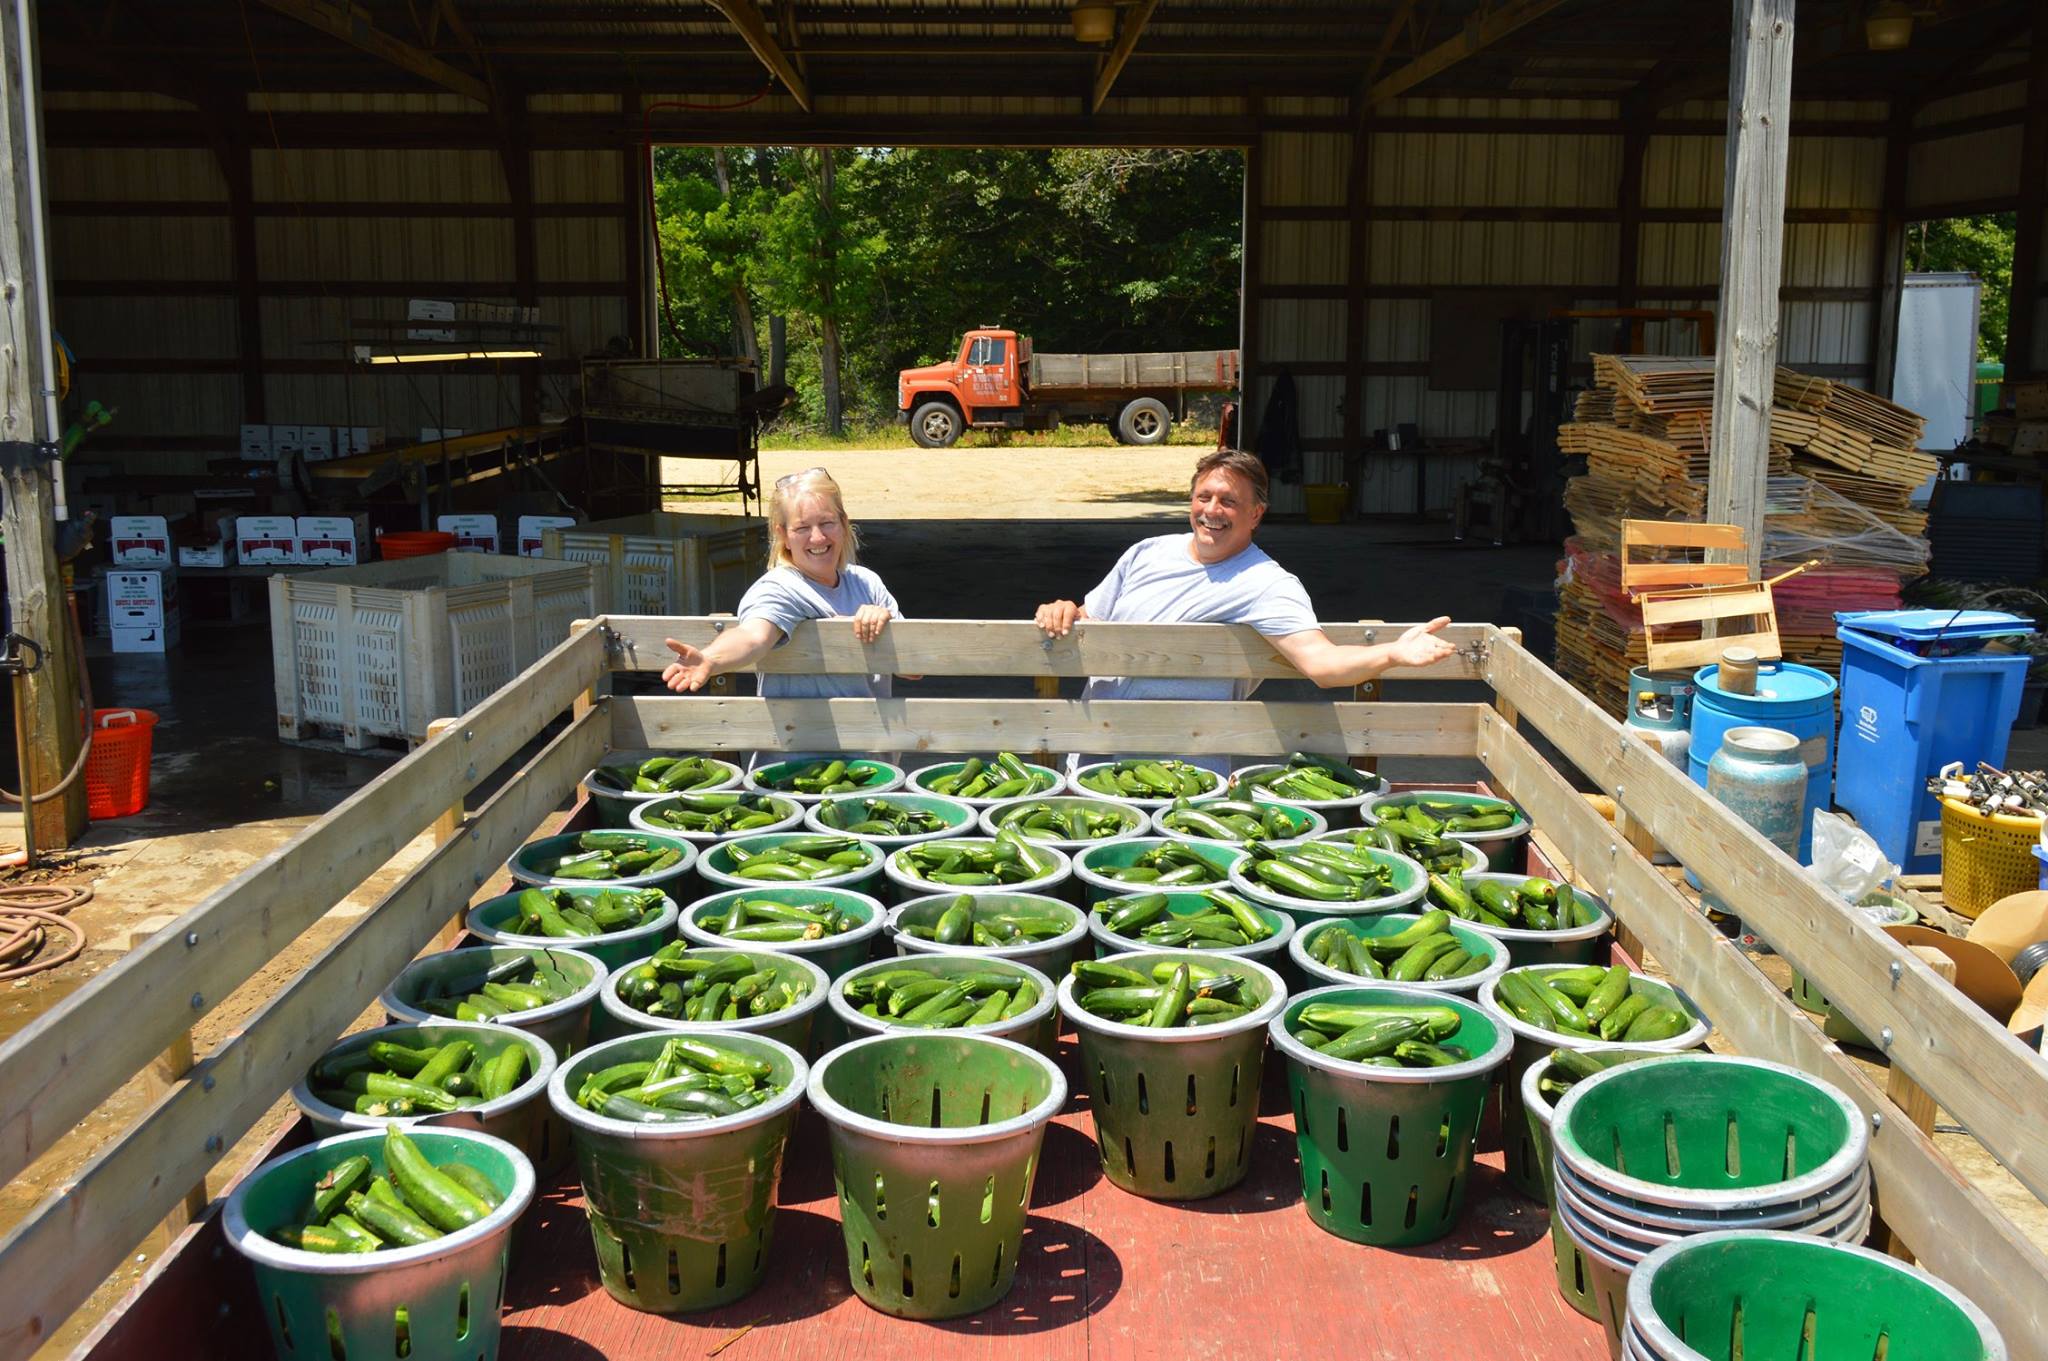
(1469, 938)
(834, 954)
(1410, 882)
(1176, 1109)
(716, 866)
(615, 807)
(793, 1025)
(1050, 956)
(436, 1301)
(1501, 848)
(1724, 1296)
(1051, 783)
(959, 819)
(564, 1026)
(489, 921)
(1089, 864)
(681, 1213)
(520, 1117)
(1272, 951)
(1533, 1045)
(873, 777)
(1038, 1026)
(1132, 820)
(790, 819)
(552, 848)
(1386, 1153)
(935, 1144)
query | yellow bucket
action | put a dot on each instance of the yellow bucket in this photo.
(1985, 856)
(1326, 501)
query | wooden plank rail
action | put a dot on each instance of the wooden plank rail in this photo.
(1102, 727)
(54, 1259)
(64, 1063)
(1976, 1069)
(1012, 647)
(1958, 1233)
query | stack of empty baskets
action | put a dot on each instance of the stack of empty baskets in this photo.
(1651, 1154)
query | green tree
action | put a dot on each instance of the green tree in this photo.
(1982, 245)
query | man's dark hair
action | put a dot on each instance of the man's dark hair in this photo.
(1246, 466)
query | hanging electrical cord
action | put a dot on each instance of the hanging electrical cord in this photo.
(668, 316)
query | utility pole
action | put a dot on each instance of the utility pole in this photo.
(1752, 263)
(38, 606)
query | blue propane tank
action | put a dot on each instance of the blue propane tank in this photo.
(1789, 697)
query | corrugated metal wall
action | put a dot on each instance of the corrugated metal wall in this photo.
(145, 260)
(1458, 203)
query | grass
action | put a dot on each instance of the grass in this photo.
(897, 437)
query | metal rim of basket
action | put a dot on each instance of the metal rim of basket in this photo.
(813, 819)
(1494, 1056)
(1521, 826)
(1567, 935)
(1686, 1039)
(1081, 791)
(726, 879)
(1066, 939)
(838, 1113)
(491, 935)
(991, 820)
(1497, 963)
(596, 1122)
(1255, 1019)
(397, 1003)
(997, 1029)
(1087, 874)
(1277, 943)
(1318, 824)
(1261, 794)
(1063, 866)
(544, 1064)
(615, 1006)
(692, 930)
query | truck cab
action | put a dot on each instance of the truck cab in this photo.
(979, 387)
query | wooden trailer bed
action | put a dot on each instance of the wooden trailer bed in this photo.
(1106, 1274)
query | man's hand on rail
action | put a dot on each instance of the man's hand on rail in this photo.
(1058, 617)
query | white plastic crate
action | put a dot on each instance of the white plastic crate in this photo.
(665, 563)
(381, 650)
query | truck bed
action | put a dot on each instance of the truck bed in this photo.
(1166, 369)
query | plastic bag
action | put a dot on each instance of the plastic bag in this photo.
(1846, 859)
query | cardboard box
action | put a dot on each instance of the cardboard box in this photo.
(433, 435)
(148, 637)
(256, 442)
(316, 442)
(2029, 398)
(2030, 437)
(219, 553)
(284, 440)
(473, 533)
(137, 598)
(267, 540)
(531, 527)
(140, 540)
(329, 540)
(429, 309)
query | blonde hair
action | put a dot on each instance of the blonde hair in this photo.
(791, 491)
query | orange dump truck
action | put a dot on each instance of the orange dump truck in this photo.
(998, 383)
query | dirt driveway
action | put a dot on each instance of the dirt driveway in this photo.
(987, 484)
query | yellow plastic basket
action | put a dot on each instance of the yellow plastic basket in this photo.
(1985, 856)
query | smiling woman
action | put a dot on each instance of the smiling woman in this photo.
(811, 575)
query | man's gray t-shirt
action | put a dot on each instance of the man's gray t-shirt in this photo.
(786, 597)
(1157, 581)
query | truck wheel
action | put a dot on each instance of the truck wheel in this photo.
(934, 425)
(1145, 421)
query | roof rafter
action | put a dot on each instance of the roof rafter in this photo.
(745, 16)
(1477, 35)
(352, 25)
(1126, 43)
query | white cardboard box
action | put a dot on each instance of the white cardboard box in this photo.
(134, 598)
(531, 527)
(473, 533)
(140, 540)
(219, 553)
(256, 441)
(329, 540)
(284, 439)
(316, 442)
(429, 309)
(267, 540)
(148, 637)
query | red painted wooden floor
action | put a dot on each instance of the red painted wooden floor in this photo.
(1104, 1275)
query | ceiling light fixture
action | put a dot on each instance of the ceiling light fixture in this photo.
(363, 356)
(1889, 27)
(1093, 23)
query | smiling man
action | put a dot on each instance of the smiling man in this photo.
(1215, 575)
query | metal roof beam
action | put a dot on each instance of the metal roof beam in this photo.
(1476, 36)
(352, 26)
(745, 16)
(1126, 42)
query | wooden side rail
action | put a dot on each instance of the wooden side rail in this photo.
(67, 1061)
(1010, 647)
(1974, 1067)
(1958, 1232)
(1103, 727)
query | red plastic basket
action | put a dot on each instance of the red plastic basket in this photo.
(414, 543)
(117, 770)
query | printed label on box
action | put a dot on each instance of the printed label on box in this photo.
(327, 539)
(140, 540)
(146, 637)
(217, 554)
(473, 533)
(1927, 837)
(267, 539)
(531, 527)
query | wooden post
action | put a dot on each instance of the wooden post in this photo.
(1752, 253)
(1890, 268)
(2022, 340)
(1913, 1100)
(1636, 119)
(1367, 692)
(164, 1073)
(37, 604)
(446, 828)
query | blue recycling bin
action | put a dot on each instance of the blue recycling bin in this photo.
(1919, 690)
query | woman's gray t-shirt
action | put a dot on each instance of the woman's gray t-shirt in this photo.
(785, 597)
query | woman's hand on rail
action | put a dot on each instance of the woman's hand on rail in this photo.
(868, 622)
